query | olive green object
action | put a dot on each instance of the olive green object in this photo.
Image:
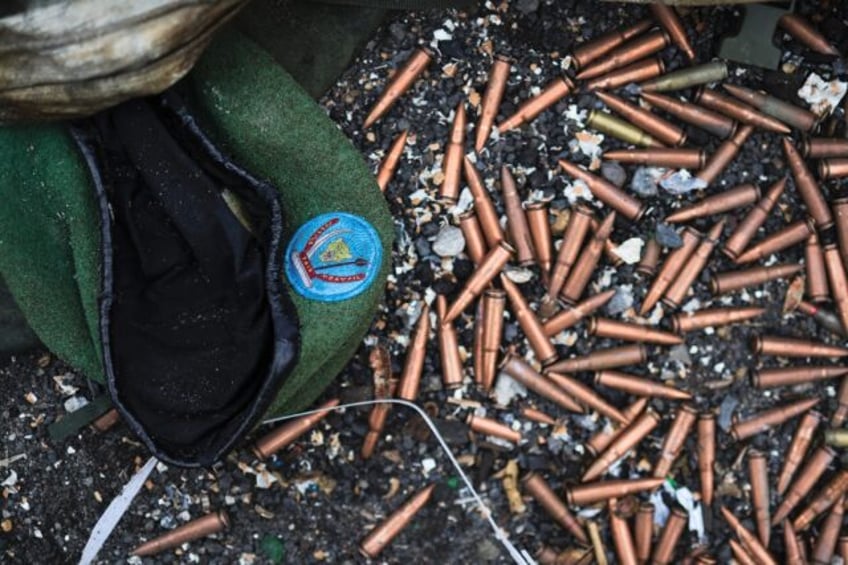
(619, 129)
(753, 45)
(688, 77)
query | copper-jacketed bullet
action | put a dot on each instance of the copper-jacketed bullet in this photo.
(791, 347)
(676, 292)
(826, 498)
(622, 538)
(587, 396)
(487, 426)
(675, 261)
(196, 529)
(724, 154)
(537, 416)
(836, 437)
(768, 419)
(290, 431)
(823, 147)
(399, 83)
(584, 268)
(643, 532)
(477, 351)
(687, 322)
(385, 532)
(579, 222)
(632, 51)
(597, 48)
(454, 155)
(601, 440)
(706, 455)
(519, 230)
(747, 228)
(650, 258)
(391, 160)
(841, 412)
(659, 157)
(664, 550)
(609, 246)
(448, 347)
(604, 327)
(798, 449)
(483, 207)
(540, 233)
(491, 267)
(538, 488)
(792, 545)
(825, 546)
(792, 234)
(558, 88)
(838, 281)
(493, 301)
(670, 21)
(661, 129)
(843, 548)
(732, 199)
(600, 359)
(619, 129)
(629, 207)
(519, 370)
(590, 493)
(808, 476)
(707, 120)
(688, 77)
(492, 100)
(787, 376)
(807, 187)
(530, 325)
(475, 243)
(376, 424)
(569, 317)
(833, 169)
(722, 283)
(639, 71)
(674, 439)
(758, 473)
(840, 213)
(817, 288)
(410, 378)
(753, 546)
(784, 111)
(741, 556)
(737, 110)
(803, 31)
(629, 437)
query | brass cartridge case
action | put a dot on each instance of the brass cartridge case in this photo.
(519, 370)
(675, 438)
(683, 322)
(791, 347)
(601, 440)
(619, 129)
(584, 268)
(650, 258)
(714, 71)
(530, 325)
(492, 100)
(487, 426)
(798, 448)
(382, 535)
(825, 546)
(410, 379)
(190, 531)
(717, 124)
(840, 212)
(770, 418)
(722, 283)
(739, 111)
(494, 301)
(288, 433)
(758, 473)
(826, 498)
(391, 160)
(787, 113)
(817, 288)
(675, 261)
(587, 396)
(833, 168)
(558, 88)
(747, 228)
(804, 32)
(448, 347)
(572, 241)
(670, 21)
(639, 71)
(751, 544)
(724, 154)
(629, 207)
(622, 539)
(568, 318)
(539, 489)
(629, 437)
(454, 156)
(489, 268)
(807, 187)
(792, 234)
(792, 545)
(676, 292)
(540, 233)
(787, 376)
(597, 48)
(808, 476)
(516, 221)
(664, 550)
(838, 281)
(611, 358)
(609, 246)
(630, 52)
(376, 424)
(732, 199)
(106, 421)
(739, 554)
(836, 437)
(475, 243)
(477, 351)
(590, 493)
(662, 130)
(841, 411)
(483, 207)
(643, 532)
(823, 147)
(604, 327)
(659, 157)
(706, 455)
(537, 416)
(399, 84)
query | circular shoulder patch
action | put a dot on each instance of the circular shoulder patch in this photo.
(333, 257)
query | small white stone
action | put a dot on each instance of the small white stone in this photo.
(449, 242)
(630, 250)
